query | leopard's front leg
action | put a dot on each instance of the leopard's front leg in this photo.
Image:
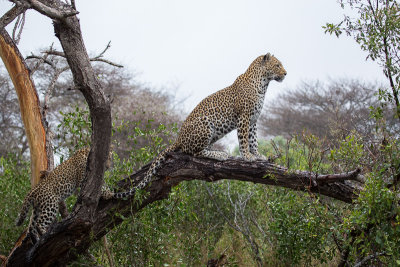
(253, 142)
(243, 131)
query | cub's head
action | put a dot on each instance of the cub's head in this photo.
(269, 67)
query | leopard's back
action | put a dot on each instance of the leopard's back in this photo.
(54, 187)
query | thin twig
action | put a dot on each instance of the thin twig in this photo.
(18, 24)
(108, 253)
(105, 49)
(97, 58)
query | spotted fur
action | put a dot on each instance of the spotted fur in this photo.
(236, 107)
(54, 187)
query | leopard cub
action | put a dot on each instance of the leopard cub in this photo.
(54, 187)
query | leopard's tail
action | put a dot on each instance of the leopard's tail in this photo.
(155, 165)
(28, 201)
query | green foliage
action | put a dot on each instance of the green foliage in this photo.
(14, 184)
(371, 231)
(350, 153)
(376, 29)
(374, 224)
(300, 226)
(145, 140)
(75, 129)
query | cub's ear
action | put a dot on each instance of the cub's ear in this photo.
(267, 57)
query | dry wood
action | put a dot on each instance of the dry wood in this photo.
(28, 102)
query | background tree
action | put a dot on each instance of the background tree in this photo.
(375, 26)
(11, 129)
(326, 109)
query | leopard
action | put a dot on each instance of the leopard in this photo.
(237, 106)
(54, 187)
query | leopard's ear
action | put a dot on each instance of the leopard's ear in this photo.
(266, 57)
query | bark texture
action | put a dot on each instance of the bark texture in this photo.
(78, 224)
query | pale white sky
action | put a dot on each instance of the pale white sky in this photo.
(202, 46)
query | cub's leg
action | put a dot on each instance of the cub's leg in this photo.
(44, 216)
(34, 232)
(253, 144)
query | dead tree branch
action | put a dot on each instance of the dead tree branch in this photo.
(73, 236)
(96, 58)
(29, 103)
(13, 13)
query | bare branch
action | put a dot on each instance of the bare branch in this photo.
(18, 24)
(97, 58)
(41, 60)
(54, 52)
(13, 13)
(368, 258)
(105, 49)
(54, 13)
(107, 61)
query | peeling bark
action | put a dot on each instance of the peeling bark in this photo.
(28, 103)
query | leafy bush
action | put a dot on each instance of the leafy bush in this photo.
(14, 184)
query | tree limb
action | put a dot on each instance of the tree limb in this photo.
(28, 102)
(96, 58)
(13, 13)
(60, 12)
(73, 236)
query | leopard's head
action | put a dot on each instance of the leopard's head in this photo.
(267, 67)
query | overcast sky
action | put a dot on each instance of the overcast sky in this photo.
(202, 46)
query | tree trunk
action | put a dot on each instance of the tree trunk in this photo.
(28, 103)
